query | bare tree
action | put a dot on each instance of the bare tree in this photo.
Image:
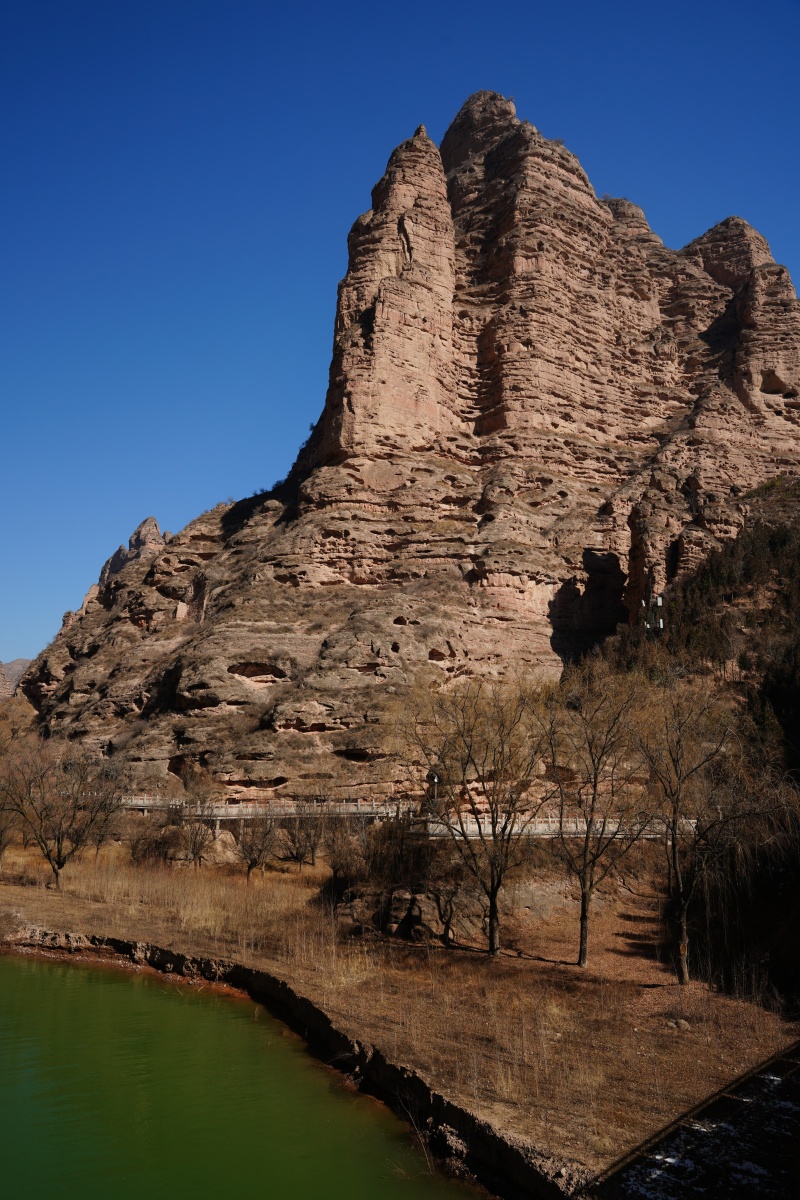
(106, 832)
(684, 738)
(158, 838)
(347, 842)
(304, 832)
(343, 853)
(447, 882)
(197, 832)
(61, 798)
(314, 816)
(197, 815)
(594, 760)
(14, 727)
(8, 824)
(256, 842)
(484, 757)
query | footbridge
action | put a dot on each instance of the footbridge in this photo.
(549, 825)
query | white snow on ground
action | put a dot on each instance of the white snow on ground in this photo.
(751, 1149)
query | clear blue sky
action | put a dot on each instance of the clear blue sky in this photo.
(178, 180)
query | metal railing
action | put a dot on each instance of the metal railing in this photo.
(230, 810)
(550, 825)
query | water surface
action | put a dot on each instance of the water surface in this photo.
(123, 1085)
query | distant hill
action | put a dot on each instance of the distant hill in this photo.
(10, 675)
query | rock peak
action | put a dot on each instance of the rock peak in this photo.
(537, 416)
(145, 541)
(484, 101)
(480, 123)
(730, 250)
(146, 533)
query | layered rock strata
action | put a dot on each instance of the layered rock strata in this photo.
(10, 675)
(537, 415)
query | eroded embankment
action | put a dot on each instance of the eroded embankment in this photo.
(508, 1167)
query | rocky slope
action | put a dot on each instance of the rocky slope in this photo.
(537, 413)
(10, 675)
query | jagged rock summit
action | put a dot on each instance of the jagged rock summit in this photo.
(536, 414)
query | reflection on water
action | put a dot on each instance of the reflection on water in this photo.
(117, 1085)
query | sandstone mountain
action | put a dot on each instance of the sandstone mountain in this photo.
(10, 675)
(537, 414)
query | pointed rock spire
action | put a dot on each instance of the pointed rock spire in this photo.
(145, 542)
(481, 121)
(392, 376)
(730, 250)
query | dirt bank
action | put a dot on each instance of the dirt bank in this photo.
(458, 1137)
(577, 1066)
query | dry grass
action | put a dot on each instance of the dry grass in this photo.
(584, 1064)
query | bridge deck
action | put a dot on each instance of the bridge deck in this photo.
(547, 826)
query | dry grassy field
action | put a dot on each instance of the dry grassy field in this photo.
(582, 1063)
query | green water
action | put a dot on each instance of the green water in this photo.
(120, 1085)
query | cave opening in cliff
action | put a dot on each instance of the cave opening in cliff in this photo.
(582, 619)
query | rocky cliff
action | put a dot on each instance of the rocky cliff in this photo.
(10, 675)
(536, 414)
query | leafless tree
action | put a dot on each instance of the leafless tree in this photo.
(447, 882)
(346, 843)
(685, 736)
(197, 816)
(197, 832)
(8, 823)
(101, 835)
(484, 757)
(257, 842)
(8, 818)
(339, 846)
(596, 764)
(62, 798)
(304, 832)
(157, 838)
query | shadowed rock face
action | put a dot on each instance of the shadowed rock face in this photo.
(536, 413)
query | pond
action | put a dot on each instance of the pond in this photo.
(114, 1084)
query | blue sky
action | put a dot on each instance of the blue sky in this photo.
(178, 180)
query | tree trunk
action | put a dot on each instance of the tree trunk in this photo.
(583, 953)
(249, 872)
(682, 961)
(494, 926)
(57, 874)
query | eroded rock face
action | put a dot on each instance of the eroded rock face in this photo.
(10, 675)
(145, 542)
(537, 413)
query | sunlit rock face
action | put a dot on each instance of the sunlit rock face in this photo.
(536, 414)
(10, 675)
